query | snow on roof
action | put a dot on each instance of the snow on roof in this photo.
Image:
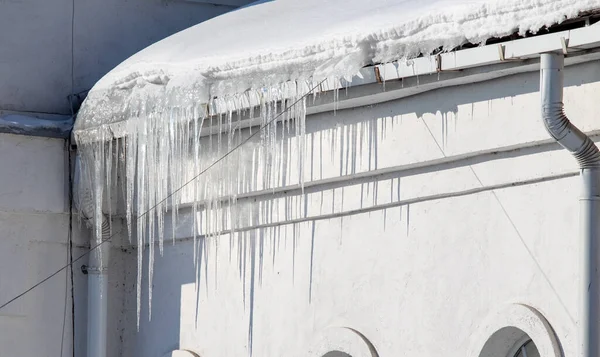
(272, 50)
(290, 40)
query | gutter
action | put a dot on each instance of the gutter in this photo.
(396, 80)
(22, 124)
(588, 156)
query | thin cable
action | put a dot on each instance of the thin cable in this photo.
(71, 248)
(53, 274)
(72, 59)
(64, 324)
(166, 198)
(70, 260)
(513, 225)
(70, 229)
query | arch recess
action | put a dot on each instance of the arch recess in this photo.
(181, 353)
(506, 329)
(342, 341)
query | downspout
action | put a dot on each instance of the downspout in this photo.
(588, 157)
(97, 269)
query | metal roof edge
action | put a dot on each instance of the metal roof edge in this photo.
(27, 124)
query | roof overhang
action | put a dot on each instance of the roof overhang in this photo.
(396, 80)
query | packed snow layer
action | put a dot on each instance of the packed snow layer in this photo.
(288, 40)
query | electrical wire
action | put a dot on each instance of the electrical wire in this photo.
(70, 229)
(72, 275)
(70, 260)
(92, 248)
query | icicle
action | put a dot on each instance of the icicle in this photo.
(158, 162)
(108, 162)
(195, 186)
(130, 168)
(141, 208)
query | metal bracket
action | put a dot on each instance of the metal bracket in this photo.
(378, 75)
(501, 54)
(438, 65)
(93, 270)
(565, 45)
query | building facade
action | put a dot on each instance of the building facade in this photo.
(435, 216)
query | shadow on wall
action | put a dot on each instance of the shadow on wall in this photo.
(255, 3)
(178, 266)
(447, 100)
(336, 354)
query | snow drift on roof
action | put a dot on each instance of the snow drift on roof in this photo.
(288, 40)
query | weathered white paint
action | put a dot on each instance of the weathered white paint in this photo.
(504, 331)
(474, 209)
(41, 41)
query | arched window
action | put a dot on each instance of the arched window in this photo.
(336, 354)
(527, 349)
(341, 342)
(516, 330)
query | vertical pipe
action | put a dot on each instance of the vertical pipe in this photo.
(590, 277)
(97, 306)
(588, 157)
(97, 301)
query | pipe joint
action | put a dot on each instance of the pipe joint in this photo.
(94, 270)
(556, 122)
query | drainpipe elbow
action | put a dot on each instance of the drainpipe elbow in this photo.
(556, 122)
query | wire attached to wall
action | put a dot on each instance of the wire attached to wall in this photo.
(69, 277)
(72, 94)
(71, 247)
(92, 248)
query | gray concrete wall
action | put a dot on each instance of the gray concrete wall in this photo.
(34, 229)
(34, 232)
(46, 46)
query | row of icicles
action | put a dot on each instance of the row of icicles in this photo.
(179, 158)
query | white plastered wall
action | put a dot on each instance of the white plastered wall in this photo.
(475, 209)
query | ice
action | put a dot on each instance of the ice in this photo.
(177, 108)
(184, 155)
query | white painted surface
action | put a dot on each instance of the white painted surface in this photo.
(479, 210)
(36, 35)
